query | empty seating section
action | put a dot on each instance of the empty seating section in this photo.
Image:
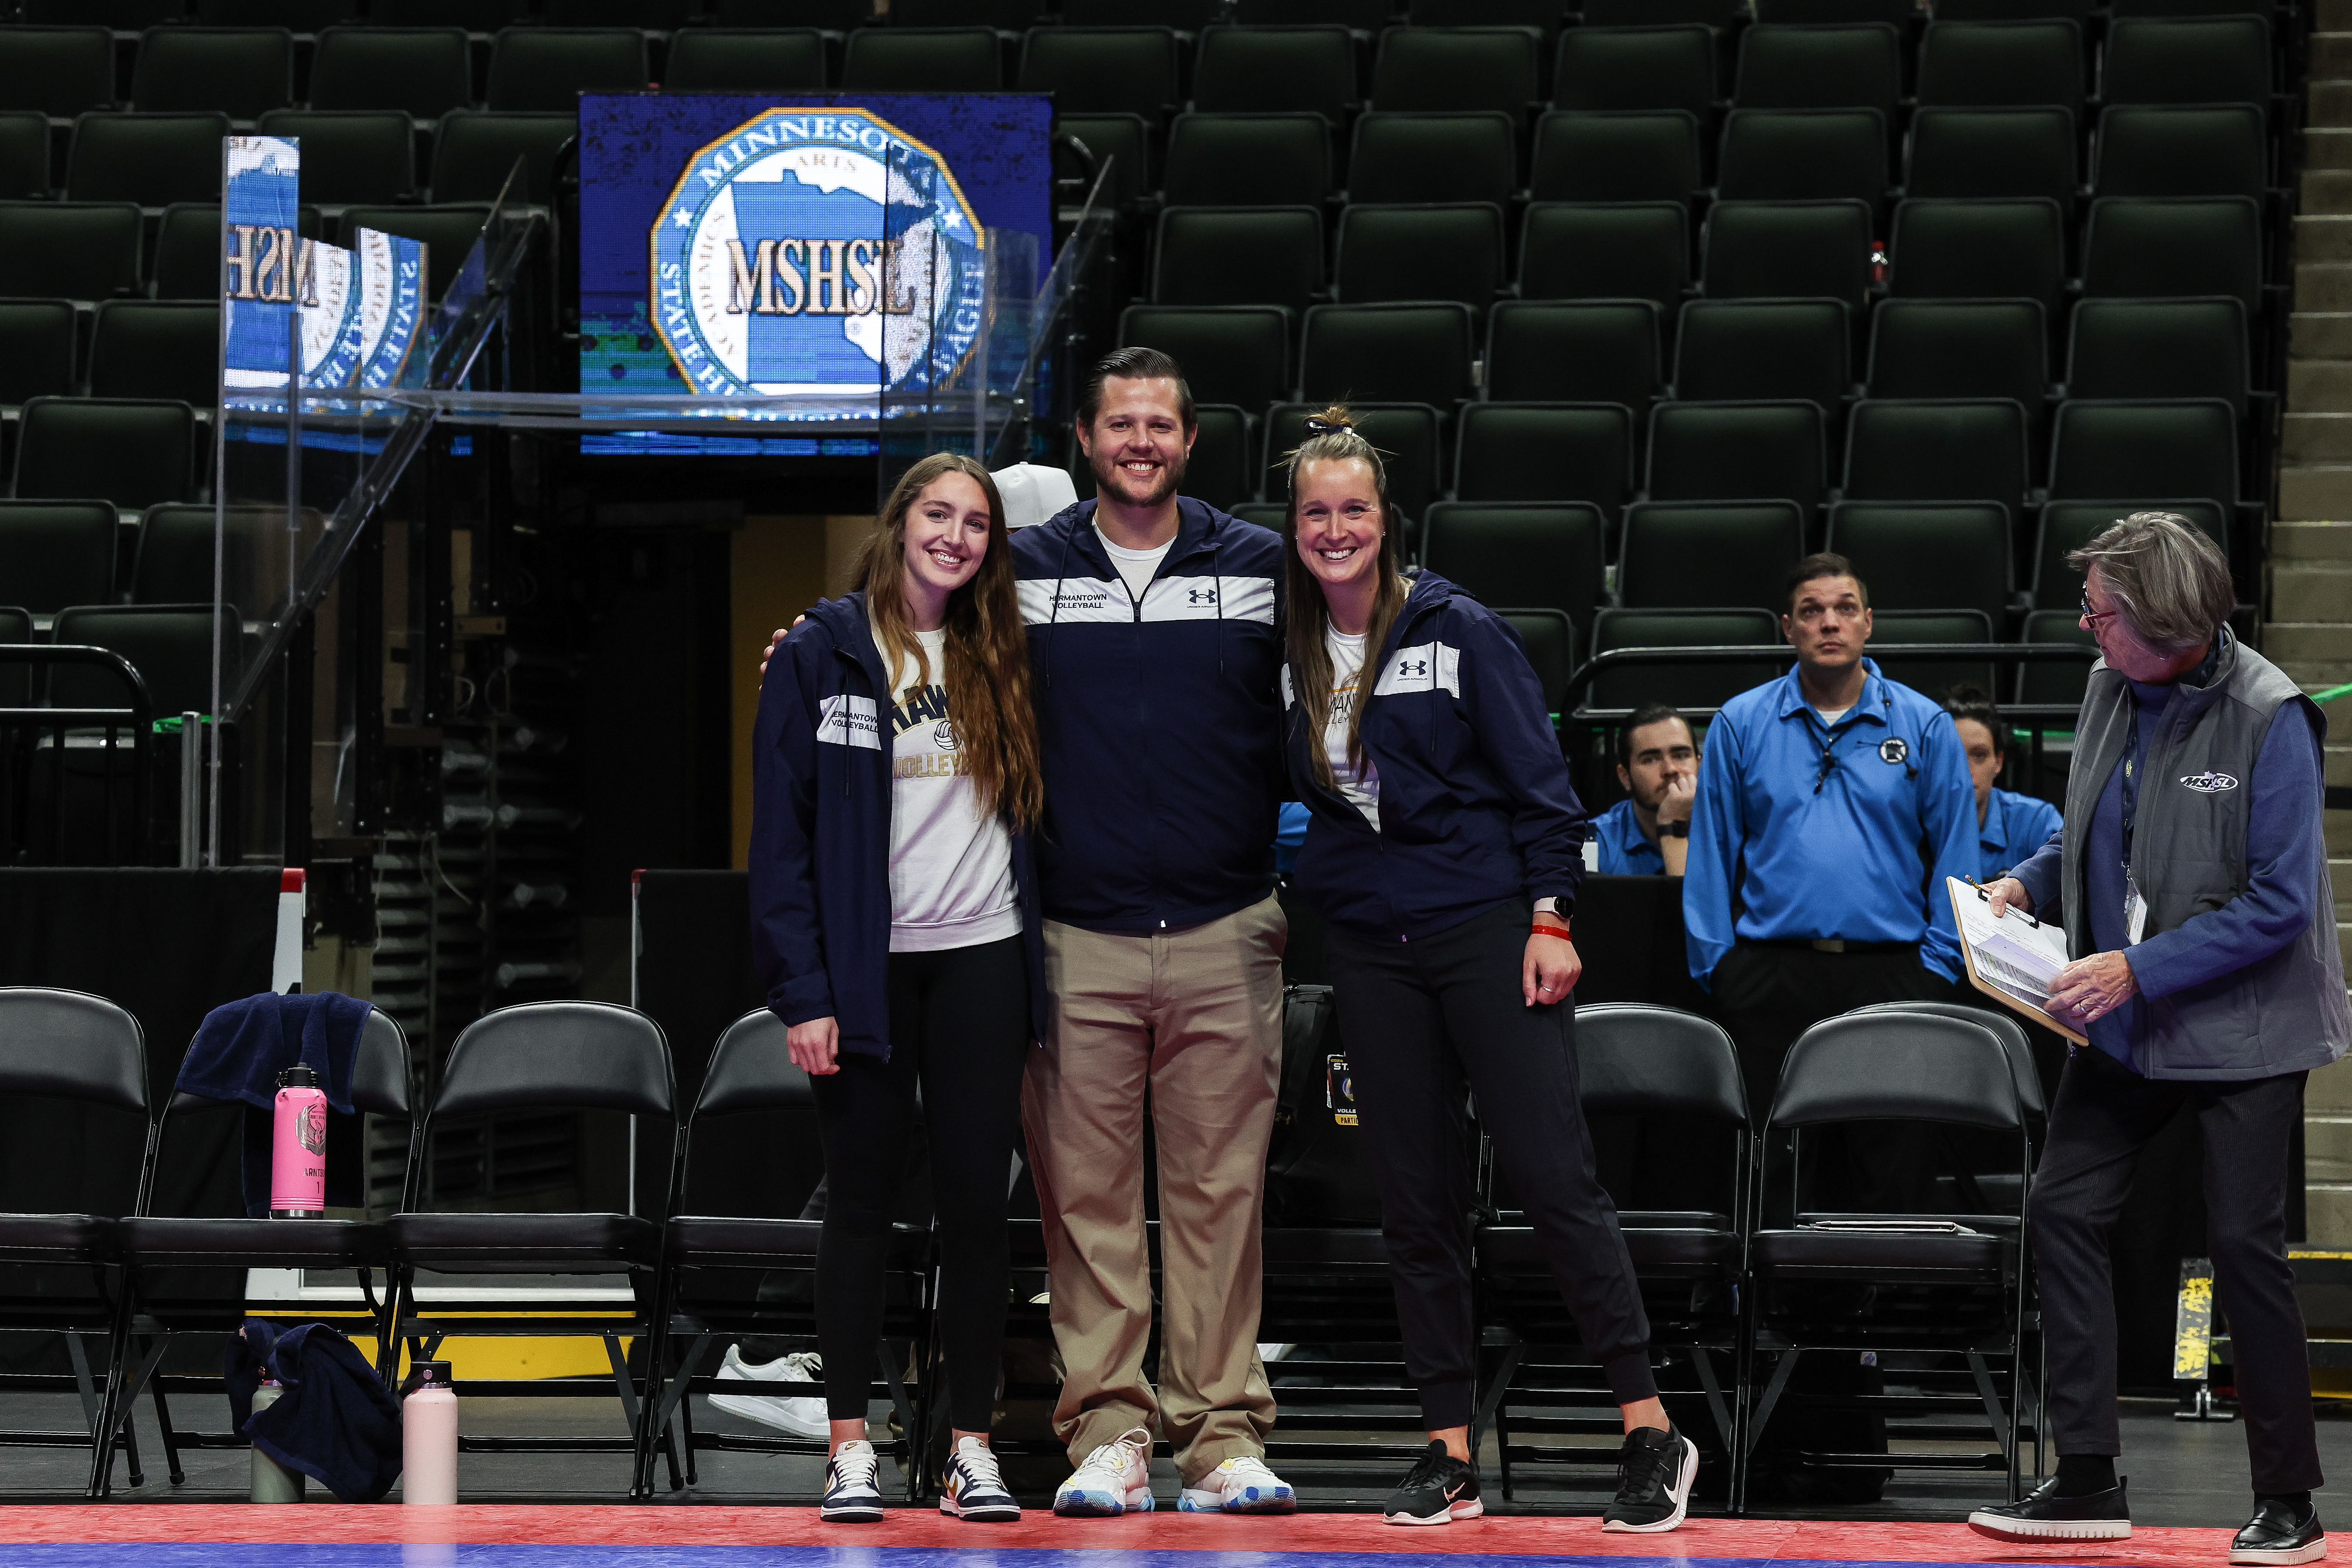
(1646, 297)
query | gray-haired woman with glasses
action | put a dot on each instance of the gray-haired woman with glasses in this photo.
(2191, 876)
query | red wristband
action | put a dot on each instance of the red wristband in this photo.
(1559, 931)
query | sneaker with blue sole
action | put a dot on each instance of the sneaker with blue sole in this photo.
(1242, 1485)
(1116, 1479)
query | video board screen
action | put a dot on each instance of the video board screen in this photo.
(732, 245)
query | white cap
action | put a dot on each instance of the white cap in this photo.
(1032, 492)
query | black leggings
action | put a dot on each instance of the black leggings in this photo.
(1420, 1019)
(959, 1025)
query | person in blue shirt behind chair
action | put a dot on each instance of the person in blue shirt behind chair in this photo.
(1647, 834)
(1832, 803)
(2009, 826)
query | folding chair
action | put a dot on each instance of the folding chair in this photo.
(1643, 1062)
(187, 1274)
(81, 1063)
(713, 1265)
(579, 1056)
(1941, 1288)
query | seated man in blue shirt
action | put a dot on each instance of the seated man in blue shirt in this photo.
(1832, 803)
(1647, 834)
(2009, 826)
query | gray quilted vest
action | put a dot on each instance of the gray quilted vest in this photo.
(2286, 1013)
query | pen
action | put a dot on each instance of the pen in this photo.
(1987, 897)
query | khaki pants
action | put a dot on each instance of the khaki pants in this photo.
(1196, 1016)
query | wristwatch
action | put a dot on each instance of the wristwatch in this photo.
(1674, 830)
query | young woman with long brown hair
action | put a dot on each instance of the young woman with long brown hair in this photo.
(894, 917)
(1444, 846)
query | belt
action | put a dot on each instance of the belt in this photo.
(1839, 944)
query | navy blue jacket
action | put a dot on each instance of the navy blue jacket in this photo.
(1160, 720)
(1476, 803)
(821, 835)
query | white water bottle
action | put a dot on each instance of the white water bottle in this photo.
(428, 1436)
(271, 1481)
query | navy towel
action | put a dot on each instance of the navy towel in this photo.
(335, 1420)
(242, 1046)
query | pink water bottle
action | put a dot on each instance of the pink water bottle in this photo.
(297, 1163)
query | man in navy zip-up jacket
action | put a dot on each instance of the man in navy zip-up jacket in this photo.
(1155, 628)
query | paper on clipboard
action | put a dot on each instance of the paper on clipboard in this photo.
(2014, 959)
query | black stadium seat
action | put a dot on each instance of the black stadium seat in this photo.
(1960, 348)
(157, 348)
(243, 72)
(352, 156)
(1194, 262)
(2001, 63)
(2057, 681)
(1122, 140)
(2068, 525)
(1736, 349)
(81, 251)
(1260, 68)
(1938, 449)
(1527, 554)
(1103, 70)
(545, 70)
(448, 232)
(24, 154)
(56, 553)
(151, 159)
(2079, 11)
(474, 151)
(1893, 13)
(2185, 446)
(1363, 15)
(784, 60)
(1232, 353)
(187, 250)
(1648, 68)
(1626, 13)
(1928, 555)
(1220, 468)
(36, 360)
(425, 71)
(2170, 247)
(1424, 251)
(1893, 626)
(1978, 249)
(1736, 451)
(1708, 554)
(473, 15)
(122, 16)
(1005, 15)
(1408, 436)
(659, 16)
(59, 71)
(1431, 69)
(1690, 687)
(1542, 16)
(2198, 59)
(2210, 149)
(1802, 154)
(1621, 155)
(1248, 160)
(833, 16)
(1993, 152)
(1544, 452)
(2160, 348)
(1788, 251)
(1456, 156)
(923, 59)
(1857, 65)
(169, 645)
(1185, 16)
(1575, 351)
(1397, 353)
(175, 563)
(133, 454)
(1628, 250)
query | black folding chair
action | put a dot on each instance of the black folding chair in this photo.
(60, 1273)
(721, 1274)
(186, 1274)
(1933, 1290)
(571, 1055)
(1644, 1062)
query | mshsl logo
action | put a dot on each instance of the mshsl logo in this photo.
(816, 251)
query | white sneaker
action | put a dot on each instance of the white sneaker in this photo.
(804, 1417)
(973, 1488)
(1115, 1480)
(1239, 1486)
(851, 1496)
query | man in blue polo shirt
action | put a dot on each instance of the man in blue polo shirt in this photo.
(1647, 834)
(1832, 803)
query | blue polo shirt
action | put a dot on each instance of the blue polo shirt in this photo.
(2014, 826)
(1623, 851)
(1846, 831)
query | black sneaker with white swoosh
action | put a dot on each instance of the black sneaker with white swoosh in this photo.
(1655, 1472)
(1438, 1489)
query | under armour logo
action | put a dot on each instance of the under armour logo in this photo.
(1200, 595)
(1412, 667)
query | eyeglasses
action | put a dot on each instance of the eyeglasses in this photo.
(2092, 618)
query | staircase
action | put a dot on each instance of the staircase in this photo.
(2308, 626)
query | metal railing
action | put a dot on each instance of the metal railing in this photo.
(21, 736)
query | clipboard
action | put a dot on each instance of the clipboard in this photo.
(1958, 891)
